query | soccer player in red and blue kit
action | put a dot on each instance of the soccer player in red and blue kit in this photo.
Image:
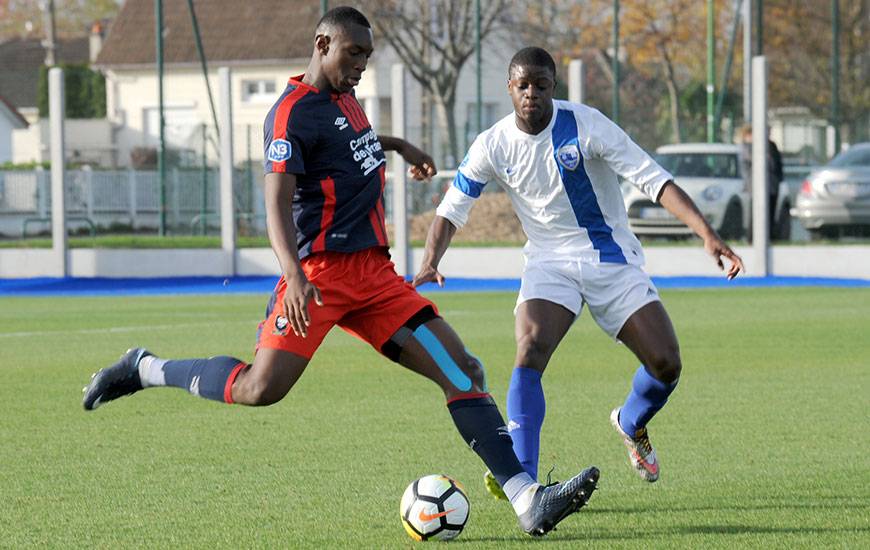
(324, 183)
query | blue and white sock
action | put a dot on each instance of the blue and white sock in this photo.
(525, 410)
(646, 398)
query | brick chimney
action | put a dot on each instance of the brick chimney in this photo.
(96, 40)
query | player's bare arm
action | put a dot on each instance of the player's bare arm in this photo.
(678, 203)
(279, 191)
(437, 240)
(422, 165)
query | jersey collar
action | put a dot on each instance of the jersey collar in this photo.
(540, 136)
(297, 81)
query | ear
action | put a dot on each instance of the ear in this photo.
(321, 43)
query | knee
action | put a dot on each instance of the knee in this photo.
(533, 351)
(665, 364)
(256, 393)
(474, 370)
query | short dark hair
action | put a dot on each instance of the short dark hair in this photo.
(342, 17)
(532, 57)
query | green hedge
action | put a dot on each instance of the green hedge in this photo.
(85, 92)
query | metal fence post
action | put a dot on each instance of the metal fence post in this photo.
(43, 190)
(760, 198)
(175, 199)
(56, 105)
(89, 191)
(131, 187)
(402, 254)
(576, 89)
(227, 208)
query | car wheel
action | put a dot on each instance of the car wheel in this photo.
(732, 222)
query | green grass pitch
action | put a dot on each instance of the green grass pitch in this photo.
(764, 444)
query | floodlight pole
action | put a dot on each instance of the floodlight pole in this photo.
(747, 61)
(615, 61)
(161, 151)
(711, 74)
(477, 57)
(759, 27)
(835, 73)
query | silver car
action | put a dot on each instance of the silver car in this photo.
(835, 199)
(710, 173)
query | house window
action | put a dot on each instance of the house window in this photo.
(258, 91)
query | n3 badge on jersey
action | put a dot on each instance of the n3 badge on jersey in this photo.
(279, 150)
(568, 156)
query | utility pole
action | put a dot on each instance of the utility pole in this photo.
(49, 43)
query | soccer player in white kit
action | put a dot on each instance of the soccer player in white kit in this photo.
(558, 161)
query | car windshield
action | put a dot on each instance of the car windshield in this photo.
(700, 165)
(854, 156)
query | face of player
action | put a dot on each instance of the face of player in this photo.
(347, 56)
(531, 89)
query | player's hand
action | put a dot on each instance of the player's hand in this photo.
(422, 166)
(717, 248)
(296, 297)
(428, 274)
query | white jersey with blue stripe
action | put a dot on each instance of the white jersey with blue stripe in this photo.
(562, 183)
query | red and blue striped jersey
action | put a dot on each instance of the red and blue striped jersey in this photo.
(326, 140)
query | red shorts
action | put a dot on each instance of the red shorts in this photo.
(361, 293)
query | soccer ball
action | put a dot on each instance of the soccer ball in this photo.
(434, 507)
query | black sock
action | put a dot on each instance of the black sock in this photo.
(483, 428)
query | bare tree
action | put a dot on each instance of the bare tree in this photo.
(448, 35)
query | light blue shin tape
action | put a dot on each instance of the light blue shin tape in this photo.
(446, 363)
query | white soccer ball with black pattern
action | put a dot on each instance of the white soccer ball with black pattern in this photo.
(434, 507)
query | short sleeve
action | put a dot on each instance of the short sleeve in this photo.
(285, 142)
(472, 176)
(475, 170)
(610, 143)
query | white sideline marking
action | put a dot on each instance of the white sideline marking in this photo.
(26, 334)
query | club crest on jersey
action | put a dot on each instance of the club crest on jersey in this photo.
(281, 324)
(568, 156)
(279, 150)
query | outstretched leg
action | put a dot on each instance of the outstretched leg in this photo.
(222, 378)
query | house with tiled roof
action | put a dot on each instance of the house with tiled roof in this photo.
(10, 119)
(20, 62)
(263, 42)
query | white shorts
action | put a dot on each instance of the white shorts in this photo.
(613, 292)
